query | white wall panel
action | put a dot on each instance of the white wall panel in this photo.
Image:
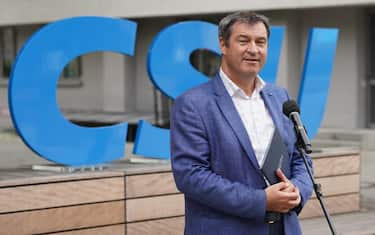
(37, 11)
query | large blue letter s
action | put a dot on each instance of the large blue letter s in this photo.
(32, 90)
(171, 72)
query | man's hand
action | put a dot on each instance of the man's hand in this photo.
(283, 196)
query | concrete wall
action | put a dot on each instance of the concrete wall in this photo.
(342, 108)
(41, 11)
(110, 82)
(147, 30)
(88, 96)
(289, 71)
(114, 82)
(346, 102)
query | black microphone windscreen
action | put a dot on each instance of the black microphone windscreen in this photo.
(289, 107)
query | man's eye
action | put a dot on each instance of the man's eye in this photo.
(243, 42)
(261, 43)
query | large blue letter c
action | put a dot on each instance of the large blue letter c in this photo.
(32, 90)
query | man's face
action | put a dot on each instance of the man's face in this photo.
(246, 51)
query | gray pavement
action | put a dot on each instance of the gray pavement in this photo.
(360, 223)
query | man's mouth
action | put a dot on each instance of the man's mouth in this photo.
(251, 60)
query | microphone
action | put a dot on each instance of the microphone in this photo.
(291, 110)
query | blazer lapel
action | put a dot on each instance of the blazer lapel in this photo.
(269, 99)
(230, 113)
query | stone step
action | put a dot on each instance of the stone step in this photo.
(359, 223)
(365, 137)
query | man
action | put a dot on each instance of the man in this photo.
(219, 135)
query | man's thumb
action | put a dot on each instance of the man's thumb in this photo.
(281, 175)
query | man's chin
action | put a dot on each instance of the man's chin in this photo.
(250, 74)
(251, 71)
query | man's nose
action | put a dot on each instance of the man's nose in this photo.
(252, 47)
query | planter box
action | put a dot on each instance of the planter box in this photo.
(131, 198)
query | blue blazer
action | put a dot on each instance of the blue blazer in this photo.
(215, 167)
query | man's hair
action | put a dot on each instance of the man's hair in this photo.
(248, 17)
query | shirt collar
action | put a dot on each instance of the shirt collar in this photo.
(233, 89)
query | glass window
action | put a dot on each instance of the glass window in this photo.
(9, 46)
(73, 69)
(7, 49)
(205, 61)
(372, 110)
(71, 75)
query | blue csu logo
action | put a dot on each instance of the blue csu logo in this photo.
(32, 88)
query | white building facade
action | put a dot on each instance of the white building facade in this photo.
(113, 83)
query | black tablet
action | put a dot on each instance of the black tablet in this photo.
(276, 157)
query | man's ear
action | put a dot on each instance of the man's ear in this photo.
(223, 47)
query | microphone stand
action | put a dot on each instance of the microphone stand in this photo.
(317, 187)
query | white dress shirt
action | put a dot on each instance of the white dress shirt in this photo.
(254, 115)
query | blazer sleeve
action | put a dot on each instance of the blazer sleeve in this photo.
(301, 179)
(191, 165)
(299, 174)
